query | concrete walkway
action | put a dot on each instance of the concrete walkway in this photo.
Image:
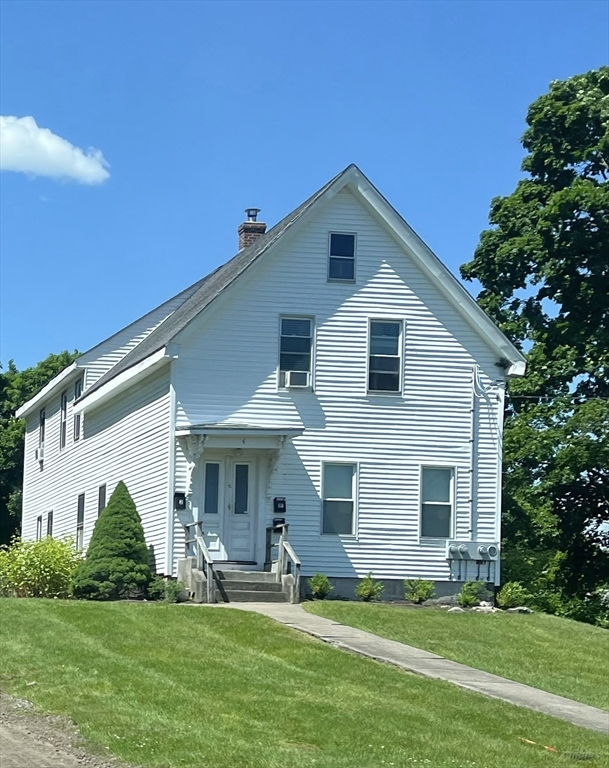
(430, 665)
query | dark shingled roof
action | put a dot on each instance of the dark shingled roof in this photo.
(210, 287)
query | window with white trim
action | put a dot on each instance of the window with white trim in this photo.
(101, 499)
(341, 256)
(42, 420)
(437, 502)
(295, 352)
(38, 527)
(338, 498)
(385, 356)
(63, 419)
(77, 419)
(80, 522)
(50, 523)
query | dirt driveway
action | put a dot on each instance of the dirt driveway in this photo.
(29, 739)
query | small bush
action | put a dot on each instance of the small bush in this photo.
(472, 592)
(368, 589)
(320, 586)
(165, 589)
(42, 568)
(116, 565)
(513, 594)
(419, 590)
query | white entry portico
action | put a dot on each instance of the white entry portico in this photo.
(229, 476)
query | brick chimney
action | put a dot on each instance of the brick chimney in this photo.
(251, 229)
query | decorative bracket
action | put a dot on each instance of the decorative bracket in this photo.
(193, 447)
(273, 463)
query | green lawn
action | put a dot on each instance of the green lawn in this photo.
(560, 656)
(168, 685)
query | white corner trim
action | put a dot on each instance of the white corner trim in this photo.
(46, 391)
(440, 275)
(123, 381)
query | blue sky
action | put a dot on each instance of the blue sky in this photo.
(204, 108)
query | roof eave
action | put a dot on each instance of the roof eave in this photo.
(56, 383)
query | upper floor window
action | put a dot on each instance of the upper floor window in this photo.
(77, 394)
(101, 499)
(338, 494)
(80, 522)
(341, 258)
(63, 420)
(437, 502)
(42, 427)
(385, 356)
(295, 352)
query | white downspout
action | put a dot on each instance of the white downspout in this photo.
(473, 459)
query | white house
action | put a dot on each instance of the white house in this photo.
(333, 375)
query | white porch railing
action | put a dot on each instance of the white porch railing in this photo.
(288, 562)
(203, 556)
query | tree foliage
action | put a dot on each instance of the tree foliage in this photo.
(16, 388)
(116, 565)
(544, 270)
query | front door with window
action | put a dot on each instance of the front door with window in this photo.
(227, 507)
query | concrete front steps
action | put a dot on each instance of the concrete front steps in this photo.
(248, 587)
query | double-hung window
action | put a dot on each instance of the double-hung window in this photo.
(338, 498)
(341, 257)
(437, 502)
(50, 524)
(385, 356)
(101, 499)
(77, 394)
(38, 527)
(63, 420)
(295, 352)
(80, 522)
(42, 428)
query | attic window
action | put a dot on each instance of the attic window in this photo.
(341, 259)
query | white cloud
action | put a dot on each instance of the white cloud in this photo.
(27, 148)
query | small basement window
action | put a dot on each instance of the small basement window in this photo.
(341, 258)
(338, 492)
(436, 502)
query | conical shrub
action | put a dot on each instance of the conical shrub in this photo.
(116, 565)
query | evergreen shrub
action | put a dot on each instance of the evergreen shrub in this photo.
(116, 565)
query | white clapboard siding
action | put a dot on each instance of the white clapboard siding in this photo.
(128, 440)
(226, 371)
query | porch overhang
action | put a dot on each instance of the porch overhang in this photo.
(233, 435)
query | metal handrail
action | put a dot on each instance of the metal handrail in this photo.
(285, 548)
(204, 558)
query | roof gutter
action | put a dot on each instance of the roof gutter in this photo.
(123, 381)
(46, 391)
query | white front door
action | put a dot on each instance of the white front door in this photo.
(227, 507)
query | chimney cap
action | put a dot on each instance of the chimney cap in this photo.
(252, 213)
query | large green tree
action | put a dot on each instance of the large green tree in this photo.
(16, 388)
(544, 270)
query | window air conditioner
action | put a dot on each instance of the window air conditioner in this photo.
(296, 379)
(39, 454)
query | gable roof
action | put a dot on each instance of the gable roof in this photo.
(201, 294)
